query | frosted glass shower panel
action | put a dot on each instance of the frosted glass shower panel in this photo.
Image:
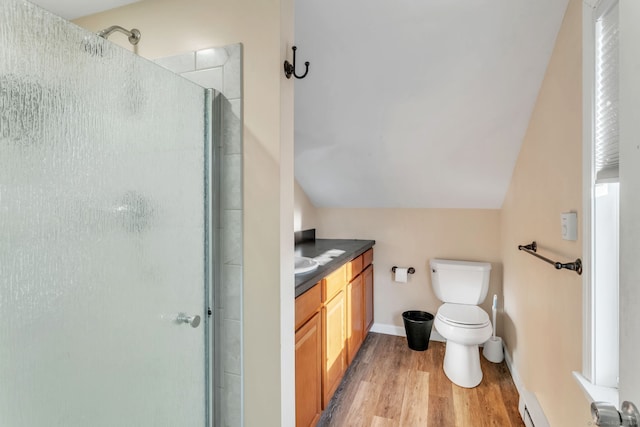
(101, 231)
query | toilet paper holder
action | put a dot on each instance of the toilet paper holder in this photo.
(411, 270)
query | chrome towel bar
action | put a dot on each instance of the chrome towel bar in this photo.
(532, 248)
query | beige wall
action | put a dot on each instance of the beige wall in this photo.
(305, 214)
(543, 307)
(170, 27)
(409, 238)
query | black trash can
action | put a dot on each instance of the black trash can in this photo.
(417, 325)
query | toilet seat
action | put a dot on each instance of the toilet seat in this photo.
(463, 315)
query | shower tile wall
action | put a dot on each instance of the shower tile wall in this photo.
(221, 69)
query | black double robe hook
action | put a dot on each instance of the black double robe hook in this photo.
(290, 68)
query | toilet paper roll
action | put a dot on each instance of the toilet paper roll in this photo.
(401, 275)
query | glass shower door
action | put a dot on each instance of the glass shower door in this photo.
(102, 232)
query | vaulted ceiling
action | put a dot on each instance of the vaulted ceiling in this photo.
(417, 103)
(409, 103)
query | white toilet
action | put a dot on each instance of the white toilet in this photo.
(461, 286)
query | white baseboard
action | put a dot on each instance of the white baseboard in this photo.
(514, 372)
(528, 406)
(400, 332)
(388, 329)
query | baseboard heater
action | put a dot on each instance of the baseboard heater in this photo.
(526, 417)
(530, 411)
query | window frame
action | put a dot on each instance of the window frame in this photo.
(592, 10)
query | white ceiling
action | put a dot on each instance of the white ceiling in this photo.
(72, 9)
(409, 103)
(417, 103)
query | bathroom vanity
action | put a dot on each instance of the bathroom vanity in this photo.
(333, 314)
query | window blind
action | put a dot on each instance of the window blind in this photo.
(606, 133)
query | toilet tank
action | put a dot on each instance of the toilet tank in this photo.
(460, 282)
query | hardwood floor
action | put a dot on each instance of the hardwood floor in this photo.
(390, 385)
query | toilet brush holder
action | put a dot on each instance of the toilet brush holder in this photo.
(492, 350)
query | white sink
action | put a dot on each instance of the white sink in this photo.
(304, 265)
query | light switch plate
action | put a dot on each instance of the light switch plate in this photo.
(569, 222)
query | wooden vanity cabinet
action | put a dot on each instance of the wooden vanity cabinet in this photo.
(332, 320)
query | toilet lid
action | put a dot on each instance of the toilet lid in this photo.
(463, 314)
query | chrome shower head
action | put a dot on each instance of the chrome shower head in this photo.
(134, 35)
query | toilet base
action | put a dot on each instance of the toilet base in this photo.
(462, 364)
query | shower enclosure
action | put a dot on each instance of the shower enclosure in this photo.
(105, 257)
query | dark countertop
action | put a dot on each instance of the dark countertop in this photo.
(312, 249)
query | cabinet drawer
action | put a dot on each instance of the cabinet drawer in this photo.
(307, 304)
(333, 283)
(354, 267)
(367, 258)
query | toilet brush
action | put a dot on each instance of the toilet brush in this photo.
(492, 350)
(494, 310)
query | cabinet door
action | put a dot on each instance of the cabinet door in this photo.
(355, 318)
(309, 373)
(367, 276)
(333, 345)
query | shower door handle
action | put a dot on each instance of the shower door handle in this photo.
(194, 321)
